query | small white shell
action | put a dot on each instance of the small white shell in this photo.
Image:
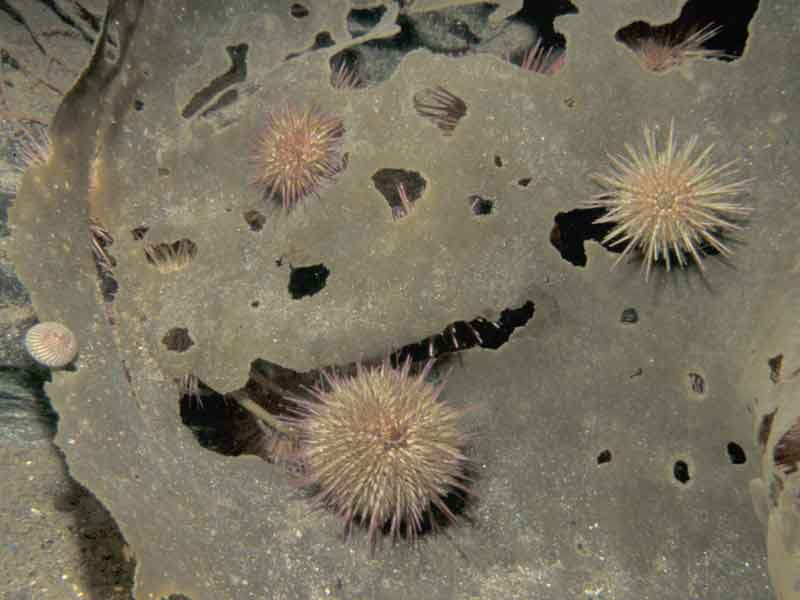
(51, 344)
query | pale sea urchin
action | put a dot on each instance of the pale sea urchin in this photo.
(380, 448)
(51, 344)
(667, 203)
(297, 151)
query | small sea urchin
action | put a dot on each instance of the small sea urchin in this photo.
(380, 448)
(51, 344)
(667, 203)
(297, 151)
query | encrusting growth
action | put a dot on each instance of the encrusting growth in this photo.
(380, 448)
(668, 203)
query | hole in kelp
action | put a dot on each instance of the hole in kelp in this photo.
(169, 258)
(703, 30)
(736, 453)
(298, 11)
(681, 471)
(363, 20)
(463, 335)
(480, 206)
(400, 188)
(575, 227)
(443, 108)
(307, 281)
(177, 339)
(344, 67)
(544, 50)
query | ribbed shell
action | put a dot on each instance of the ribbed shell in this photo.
(51, 344)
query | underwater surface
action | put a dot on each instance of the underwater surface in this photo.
(384, 299)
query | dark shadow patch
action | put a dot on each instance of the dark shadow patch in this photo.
(524, 182)
(604, 457)
(237, 73)
(177, 339)
(629, 316)
(697, 383)
(307, 281)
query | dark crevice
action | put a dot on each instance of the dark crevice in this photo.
(237, 73)
(629, 316)
(17, 16)
(463, 335)
(93, 20)
(764, 429)
(400, 188)
(307, 281)
(708, 29)
(67, 20)
(524, 182)
(219, 422)
(224, 100)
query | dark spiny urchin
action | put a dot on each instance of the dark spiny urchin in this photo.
(380, 448)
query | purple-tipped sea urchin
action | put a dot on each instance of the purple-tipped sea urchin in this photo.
(297, 151)
(382, 449)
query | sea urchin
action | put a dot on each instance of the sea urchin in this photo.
(297, 151)
(381, 449)
(667, 203)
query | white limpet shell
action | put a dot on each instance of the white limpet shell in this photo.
(51, 344)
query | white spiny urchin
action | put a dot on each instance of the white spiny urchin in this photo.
(380, 448)
(667, 203)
